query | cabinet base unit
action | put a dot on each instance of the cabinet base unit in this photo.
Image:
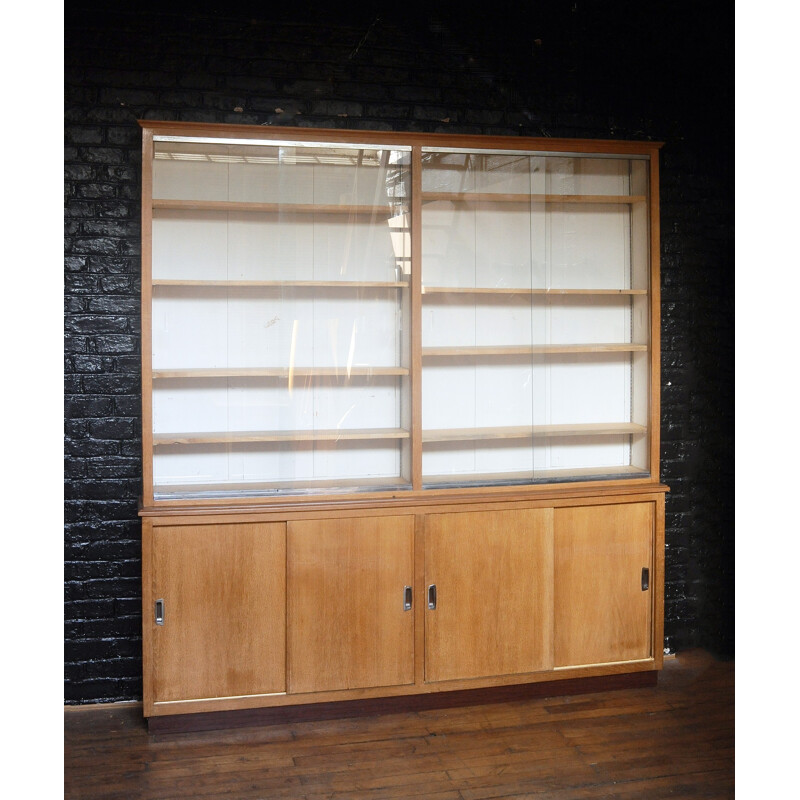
(400, 419)
(248, 609)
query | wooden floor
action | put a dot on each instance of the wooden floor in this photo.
(672, 740)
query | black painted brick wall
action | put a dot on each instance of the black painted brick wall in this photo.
(383, 72)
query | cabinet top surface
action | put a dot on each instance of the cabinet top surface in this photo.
(399, 138)
(413, 502)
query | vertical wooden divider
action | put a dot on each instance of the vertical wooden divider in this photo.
(654, 425)
(657, 582)
(147, 317)
(416, 317)
(148, 667)
(416, 407)
(420, 600)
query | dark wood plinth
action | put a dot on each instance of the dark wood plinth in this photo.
(285, 715)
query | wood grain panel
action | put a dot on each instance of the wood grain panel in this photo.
(601, 613)
(346, 625)
(224, 589)
(493, 573)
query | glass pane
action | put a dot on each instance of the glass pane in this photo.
(280, 353)
(535, 328)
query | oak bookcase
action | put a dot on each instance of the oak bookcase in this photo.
(400, 414)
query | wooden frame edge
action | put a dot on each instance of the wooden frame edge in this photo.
(148, 665)
(416, 319)
(147, 317)
(655, 318)
(403, 138)
(659, 565)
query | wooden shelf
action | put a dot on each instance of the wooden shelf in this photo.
(537, 349)
(433, 290)
(497, 197)
(232, 489)
(243, 437)
(527, 431)
(280, 372)
(526, 476)
(202, 284)
(273, 208)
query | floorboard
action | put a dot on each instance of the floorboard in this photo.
(672, 740)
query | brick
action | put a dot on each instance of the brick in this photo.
(109, 304)
(127, 96)
(114, 209)
(96, 324)
(102, 155)
(111, 384)
(365, 92)
(114, 468)
(107, 534)
(131, 447)
(417, 94)
(339, 108)
(437, 113)
(81, 134)
(110, 428)
(93, 191)
(81, 447)
(117, 284)
(123, 135)
(124, 265)
(88, 407)
(78, 172)
(99, 490)
(110, 228)
(113, 628)
(74, 305)
(79, 208)
(123, 174)
(118, 343)
(176, 99)
(100, 244)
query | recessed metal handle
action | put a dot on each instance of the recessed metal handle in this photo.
(159, 612)
(645, 579)
(432, 597)
(407, 598)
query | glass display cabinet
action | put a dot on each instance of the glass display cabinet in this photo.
(536, 325)
(280, 341)
(424, 364)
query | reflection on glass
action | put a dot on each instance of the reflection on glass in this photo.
(280, 280)
(535, 328)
